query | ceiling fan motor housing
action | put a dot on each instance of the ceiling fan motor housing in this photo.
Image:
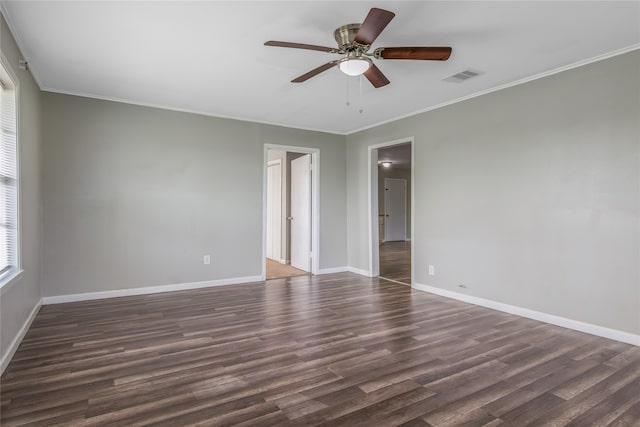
(345, 37)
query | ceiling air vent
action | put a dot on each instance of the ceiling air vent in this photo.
(461, 76)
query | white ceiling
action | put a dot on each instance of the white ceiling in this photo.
(209, 57)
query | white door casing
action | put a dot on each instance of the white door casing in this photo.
(395, 206)
(301, 212)
(274, 210)
(372, 184)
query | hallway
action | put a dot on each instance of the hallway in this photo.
(395, 261)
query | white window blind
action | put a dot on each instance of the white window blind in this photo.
(8, 178)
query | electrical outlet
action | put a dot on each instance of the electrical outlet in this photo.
(206, 259)
(432, 270)
(462, 285)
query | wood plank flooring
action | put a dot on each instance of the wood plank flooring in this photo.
(334, 350)
(395, 261)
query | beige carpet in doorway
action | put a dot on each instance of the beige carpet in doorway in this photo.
(275, 270)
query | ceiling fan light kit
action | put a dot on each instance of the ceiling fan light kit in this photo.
(355, 40)
(354, 66)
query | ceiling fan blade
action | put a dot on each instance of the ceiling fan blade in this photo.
(375, 76)
(425, 53)
(300, 46)
(373, 24)
(314, 72)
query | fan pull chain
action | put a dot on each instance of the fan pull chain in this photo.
(346, 79)
(360, 97)
(359, 100)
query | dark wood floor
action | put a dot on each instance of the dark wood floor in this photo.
(335, 350)
(395, 261)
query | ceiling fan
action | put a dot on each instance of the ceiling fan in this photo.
(354, 42)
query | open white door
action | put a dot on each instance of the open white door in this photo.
(395, 209)
(301, 212)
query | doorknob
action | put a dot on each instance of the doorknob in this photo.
(290, 218)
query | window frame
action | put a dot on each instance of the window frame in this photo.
(14, 275)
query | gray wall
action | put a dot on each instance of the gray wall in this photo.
(135, 196)
(20, 297)
(529, 196)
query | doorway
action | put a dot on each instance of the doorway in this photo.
(392, 211)
(290, 212)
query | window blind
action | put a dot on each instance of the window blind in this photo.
(8, 177)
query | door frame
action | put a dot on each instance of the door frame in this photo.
(372, 181)
(315, 202)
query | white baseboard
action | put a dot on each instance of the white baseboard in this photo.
(333, 270)
(284, 261)
(148, 290)
(358, 271)
(11, 350)
(576, 325)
